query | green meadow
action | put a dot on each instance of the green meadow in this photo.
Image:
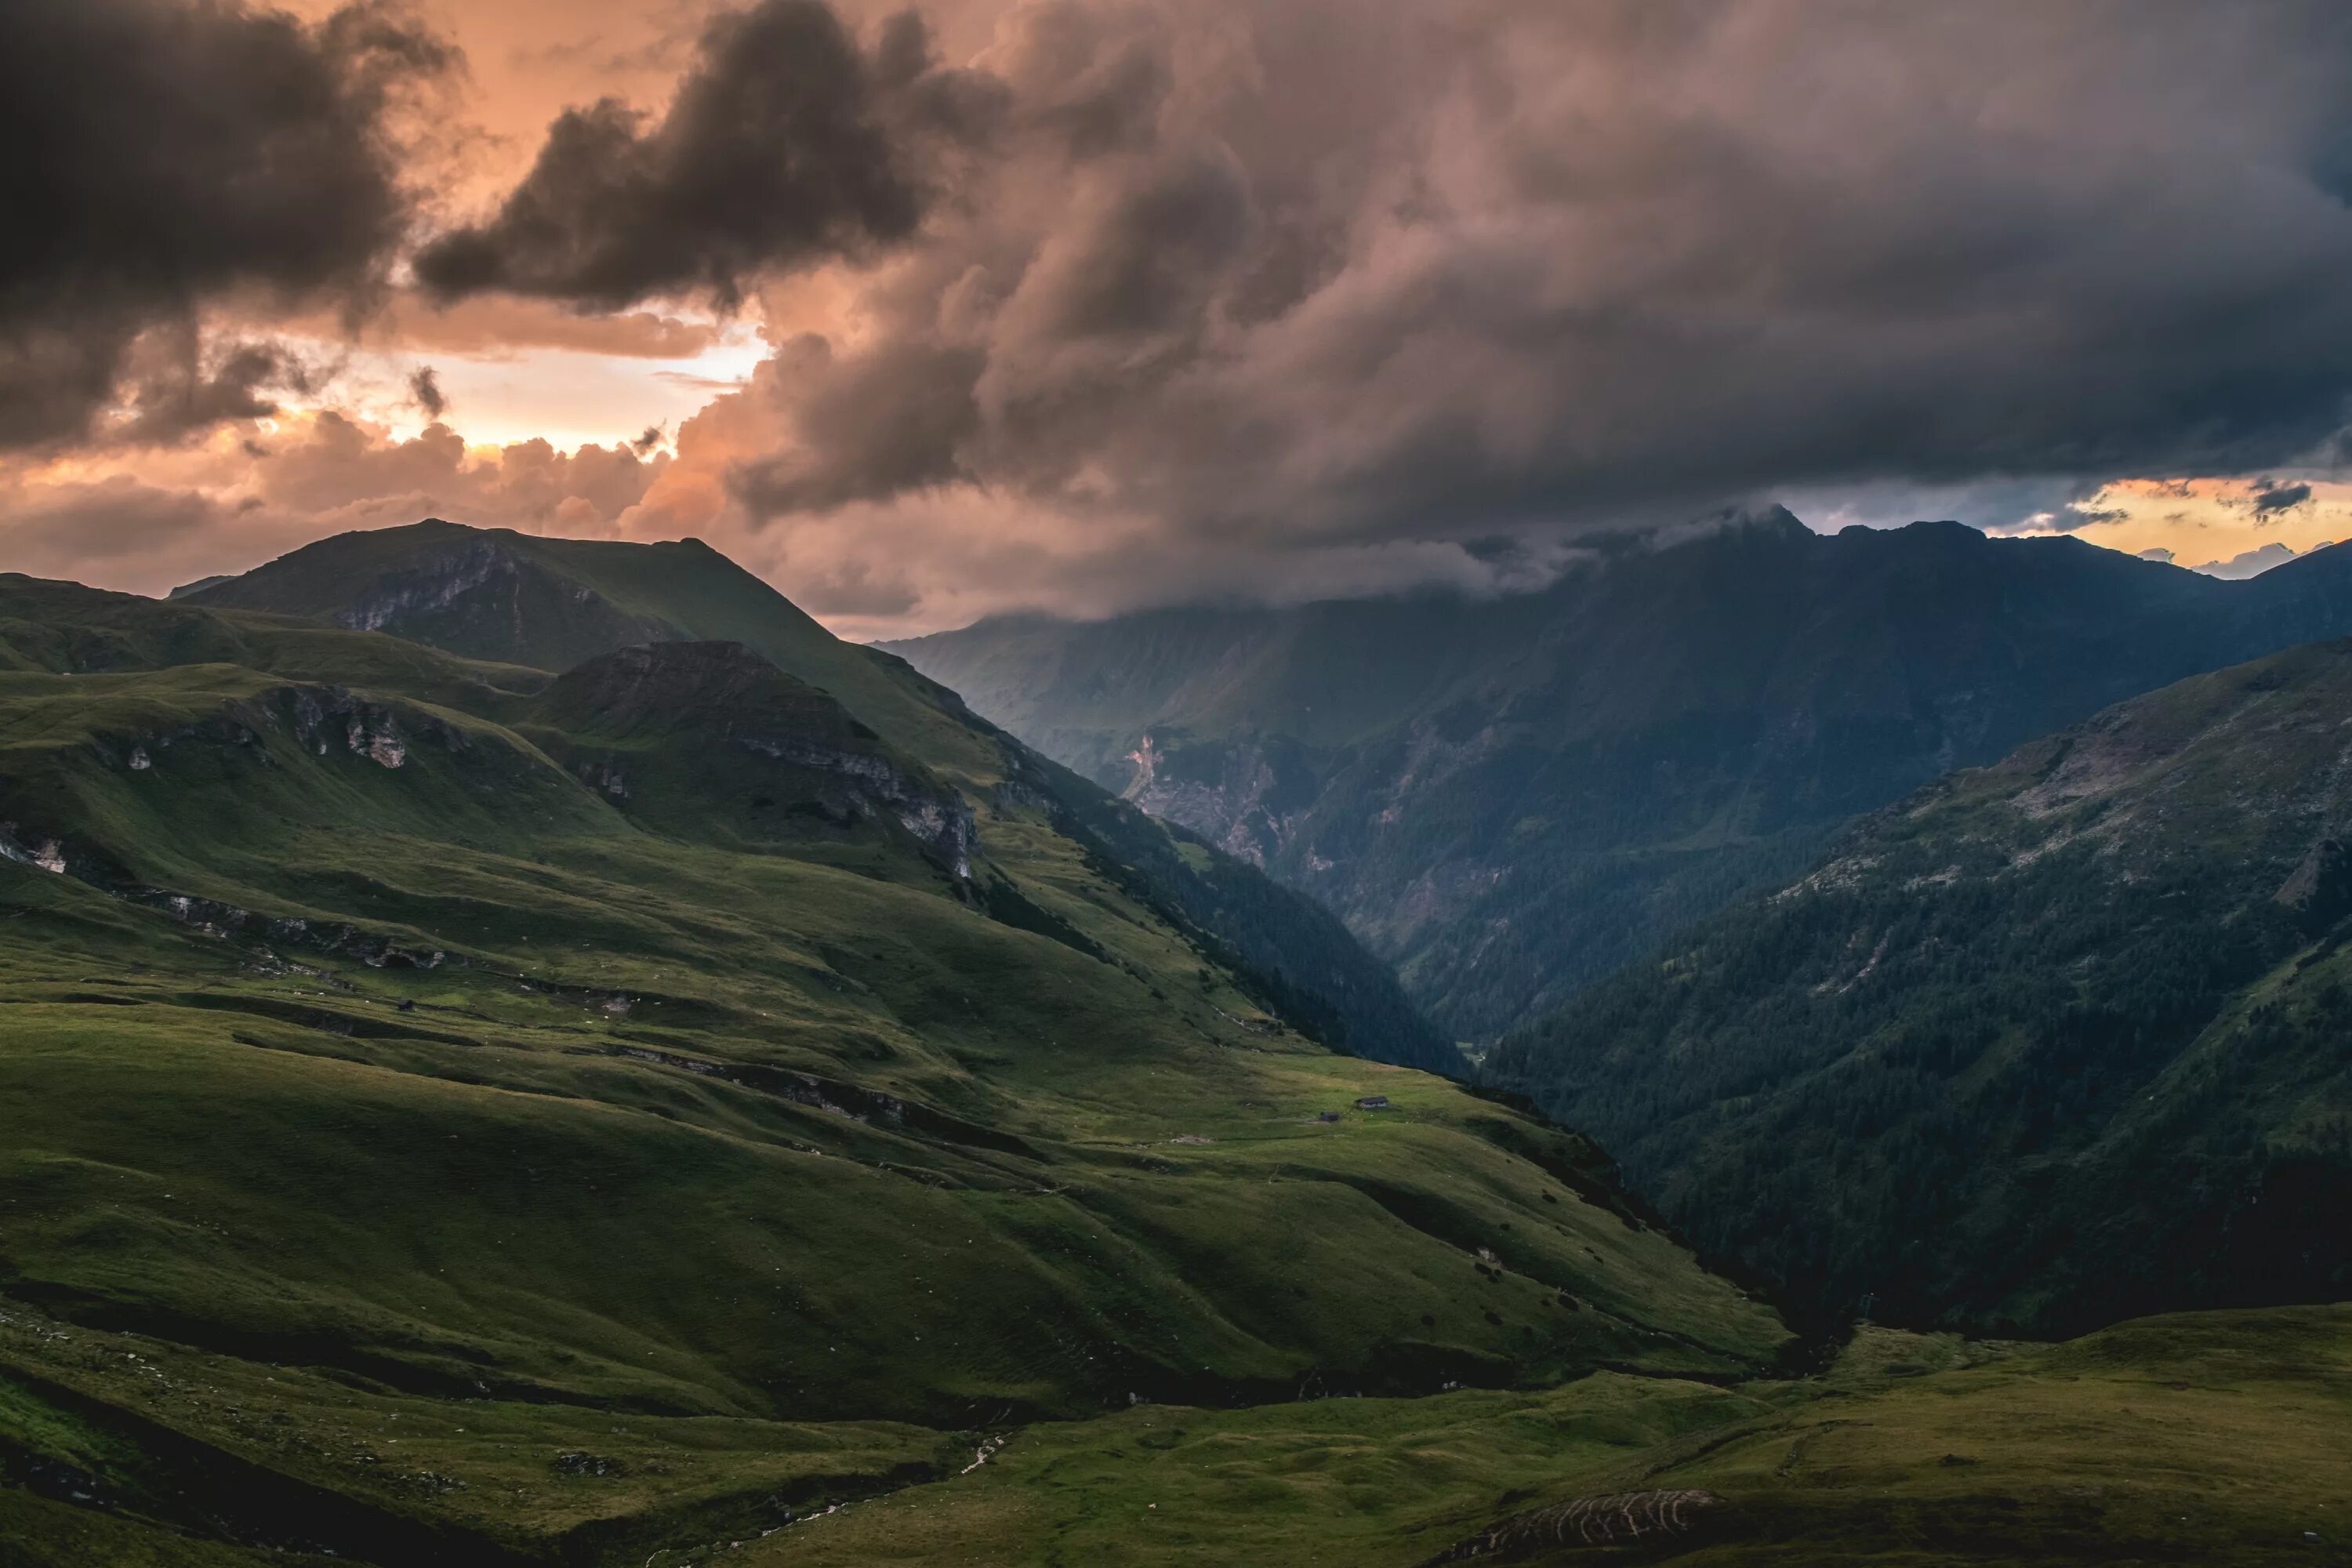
(644, 1114)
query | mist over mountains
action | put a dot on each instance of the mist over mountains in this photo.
(1424, 977)
(1510, 798)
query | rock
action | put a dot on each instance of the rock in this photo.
(2319, 891)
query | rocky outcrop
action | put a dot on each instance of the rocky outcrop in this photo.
(39, 851)
(931, 811)
(1245, 795)
(337, 938)
(2319, 891)
(434, 583)
(663, 696)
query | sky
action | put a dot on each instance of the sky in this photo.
(1083, 305)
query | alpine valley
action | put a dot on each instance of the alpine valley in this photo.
(522, 1051)
(1512, 798)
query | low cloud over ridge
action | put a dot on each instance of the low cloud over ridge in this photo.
(1242, 274)
(1082, 303)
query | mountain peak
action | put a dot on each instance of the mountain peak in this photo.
(1774, 522)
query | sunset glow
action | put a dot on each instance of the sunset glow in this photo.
(1104, 305)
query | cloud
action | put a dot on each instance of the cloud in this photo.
(348, 474)
(502, 326)
(229, 503)
(424, 389)
(166, 155)
(1242, 275)
(2271, 498)
(1085, 303)
(786, 143)
(2250, 563)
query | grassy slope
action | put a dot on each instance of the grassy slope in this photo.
(2210, 1439)
(554, 602)
(719, 1143)
(2050, 1013)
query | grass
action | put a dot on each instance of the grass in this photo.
(760, 1170)
(452, 1163)
(2205, 1438)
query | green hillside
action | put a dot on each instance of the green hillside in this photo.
(2052, 1043)
(657, 1043)
(1511, 798)
(553, 603)
(459, 1113)
(493, 594)
(2205, 1439)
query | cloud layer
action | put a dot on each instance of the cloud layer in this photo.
(786, 143)
(1083, 303)
(164, 156)
(1243, 273)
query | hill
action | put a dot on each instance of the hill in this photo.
(550, 604)
(459, 1113)
(455, 1112)
(1512, 798)
(2049, 1044)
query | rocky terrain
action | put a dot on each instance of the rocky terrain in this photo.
(1512, 798)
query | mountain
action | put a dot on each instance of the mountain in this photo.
(498, 1114)
(469, 1112)
(1512, 798)
(550, 604)
(2046, 1045)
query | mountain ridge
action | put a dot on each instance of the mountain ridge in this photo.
(550, 604)
(2045, 1045)
(1510, 798)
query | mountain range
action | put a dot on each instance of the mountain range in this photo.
(549, 603)
(2045, 1045)
(1511, 798)
(520, 1051)
(662, 1057)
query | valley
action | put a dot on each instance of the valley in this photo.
(1175, 784)
(1511, 799)
(2048, 1044)
(457, 1106)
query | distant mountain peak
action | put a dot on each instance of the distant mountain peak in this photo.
(1773, 521)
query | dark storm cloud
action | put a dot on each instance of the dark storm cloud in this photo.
(171, 384)
(1385, 271)
(425, 391)
(786, 143)
(875, 425)
(164, 154)
(2270, 500)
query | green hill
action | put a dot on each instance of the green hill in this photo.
(553, 603)
(461, 1112)
(516, 598)
(658, 1042)
(1510, 798)
(2050, 1043)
